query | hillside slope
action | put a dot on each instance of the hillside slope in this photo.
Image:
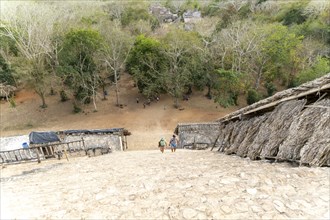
(146, 124)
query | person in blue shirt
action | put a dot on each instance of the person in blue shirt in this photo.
(173, 143)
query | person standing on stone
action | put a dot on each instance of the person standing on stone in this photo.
(173, 143)
(162, 144)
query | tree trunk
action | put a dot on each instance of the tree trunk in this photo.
(256, 86)
(117, 92)
(176, 104)
(189, 92)
(258, 79)
(209, 95)
(94, 102)
(104, 92)
(42, 96)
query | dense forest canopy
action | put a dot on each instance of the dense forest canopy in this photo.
(231, 48)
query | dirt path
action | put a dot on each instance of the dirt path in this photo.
(150, 185)
(147, 125)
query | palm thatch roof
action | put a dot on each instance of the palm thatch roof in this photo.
(292, 125)
(306, 89)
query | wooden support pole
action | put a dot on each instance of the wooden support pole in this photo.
(125, 142)
(40, 151)
(83, 142)
(38, 155)
(47, 152)
(30, 152)
(16, 156)
(66, 155)
(216, 140)
(4, 153)
(19, 152)
(68, 148)
(220, 145)
(51, 150)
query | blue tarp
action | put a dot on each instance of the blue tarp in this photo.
(43, 137)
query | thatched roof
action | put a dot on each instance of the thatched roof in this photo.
(304, 90)
(291, 132)
(196, 126)
(292, 125)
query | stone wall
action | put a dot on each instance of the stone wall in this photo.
(199, 135)
(100, 140)
(114, 142)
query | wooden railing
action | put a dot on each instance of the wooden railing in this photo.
(42, 152)
(18, 155)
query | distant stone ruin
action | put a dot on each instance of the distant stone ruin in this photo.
(163, 14)
(191, 18)
(292, 125)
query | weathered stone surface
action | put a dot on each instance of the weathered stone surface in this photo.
(189, 213)
(151, 185)
(226, 209)
(252, 191)
(279, 206)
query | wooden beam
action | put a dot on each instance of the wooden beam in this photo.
(317, 106)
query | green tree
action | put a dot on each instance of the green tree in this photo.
(190, 5)
(228, 86)
(279, 47)
(115, 50)
(30, 27)
(6, 73)
(294, 14)
(136, 14)
(8, 50)
(272, 53)
(320, 68)
(78, 66)
(204, 72)
(181, 51)
(148, 65)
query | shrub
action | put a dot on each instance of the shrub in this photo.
(12, 102)
(253, 96)
(293, 14)
(320, 68)
(64, 96)
(76, 108)
(270, 88)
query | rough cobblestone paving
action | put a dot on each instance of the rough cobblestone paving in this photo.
(150, 185)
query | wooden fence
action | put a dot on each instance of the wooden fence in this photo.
(43, 151)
